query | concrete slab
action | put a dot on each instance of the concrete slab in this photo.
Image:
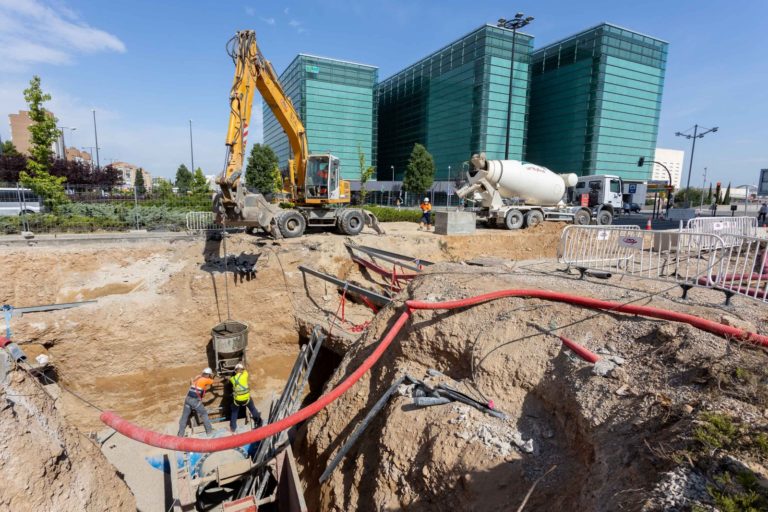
(455, 223)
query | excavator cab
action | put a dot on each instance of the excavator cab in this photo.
(322, 183)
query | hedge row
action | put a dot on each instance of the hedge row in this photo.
(385, 214)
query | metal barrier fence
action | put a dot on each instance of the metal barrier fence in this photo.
(729, 229)
(198, 222)
(686, 258)
(744, 269)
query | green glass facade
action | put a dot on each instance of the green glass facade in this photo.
(336, 101)
(454, 102)
(595, 102)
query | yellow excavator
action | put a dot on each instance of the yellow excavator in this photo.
(313, 183)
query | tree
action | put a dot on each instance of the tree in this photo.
(8, 149)
(262, 172)
(43, 134)
(727, 198)
(200, 184)
(366, 173)
(420, 172)
(163, 189)
(183, 178)
(709, 195)
(138, 182)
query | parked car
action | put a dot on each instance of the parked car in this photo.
(14, 201)
(631, 208)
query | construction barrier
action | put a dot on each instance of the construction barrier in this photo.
(727, 228)
(744, 269)
(198, 222)
(686, 258)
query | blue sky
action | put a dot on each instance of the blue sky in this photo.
(148, 67)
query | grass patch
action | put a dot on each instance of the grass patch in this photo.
(716, 431)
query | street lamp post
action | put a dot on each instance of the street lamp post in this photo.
(391, 184)
(96, 138)
(191, 151)
(703, 185)
(514, 24)
(696, 135)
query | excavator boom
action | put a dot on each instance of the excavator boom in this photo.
(313, 182)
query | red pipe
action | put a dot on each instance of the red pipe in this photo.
(663, 314)
(192, 444)
(580, 351)
(225, 443)
(381, 270)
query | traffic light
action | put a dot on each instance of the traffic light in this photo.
(641, 161)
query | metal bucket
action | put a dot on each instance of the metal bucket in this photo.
(230, 337)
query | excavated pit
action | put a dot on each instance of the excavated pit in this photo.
(135, 350)
(596, 442)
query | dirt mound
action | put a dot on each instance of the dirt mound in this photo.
(596, 442)
(47, 465)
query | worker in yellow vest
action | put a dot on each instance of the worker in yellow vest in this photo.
(241, 397)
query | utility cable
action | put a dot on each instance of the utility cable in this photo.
(226, 257)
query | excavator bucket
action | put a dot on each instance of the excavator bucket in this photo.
(373, 222)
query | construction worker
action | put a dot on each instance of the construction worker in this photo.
(194, 401)
(426, 209)
(241, 397)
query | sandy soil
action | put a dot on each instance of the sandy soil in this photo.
(612, 440)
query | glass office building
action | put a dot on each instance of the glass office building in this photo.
(454, 102)
(595, 102)
(336, 101)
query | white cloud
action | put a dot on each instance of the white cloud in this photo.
(298, 25)
(34, 33)
(250, 11)
(268, 21)
(285, 11)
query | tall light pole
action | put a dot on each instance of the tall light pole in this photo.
(191, 151)
(393, 172)
(696, 135)
(96, 138)
(514, 24)
(63, 141)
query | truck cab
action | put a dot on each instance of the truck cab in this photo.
(604, 193)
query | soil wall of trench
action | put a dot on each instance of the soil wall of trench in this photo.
(589, 442)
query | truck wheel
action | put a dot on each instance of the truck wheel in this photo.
(604, 218)
(291, 224)
(582, 218)
(514, 219)
(351, 222)
(533, 218)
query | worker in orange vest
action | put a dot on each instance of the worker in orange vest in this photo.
(194, 401)
(426, 209)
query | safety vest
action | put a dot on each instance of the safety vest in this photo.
(240, 391)
(199, 387)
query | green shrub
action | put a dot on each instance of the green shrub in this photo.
(385, 214)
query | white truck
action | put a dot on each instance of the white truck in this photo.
(515, 194)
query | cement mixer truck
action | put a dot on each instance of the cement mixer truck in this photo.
(515, 194)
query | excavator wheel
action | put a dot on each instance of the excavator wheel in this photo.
(291, 224)
(351, 222)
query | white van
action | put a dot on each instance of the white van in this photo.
(14, 201)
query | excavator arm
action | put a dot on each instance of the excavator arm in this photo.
(254, 72)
